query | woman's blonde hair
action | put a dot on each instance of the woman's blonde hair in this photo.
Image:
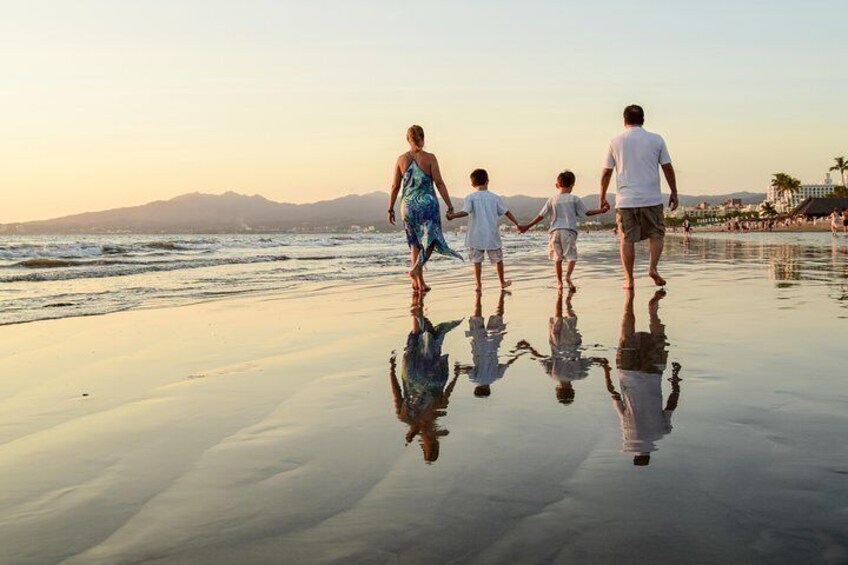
(415, 135)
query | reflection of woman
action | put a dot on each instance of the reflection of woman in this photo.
(422, 395)
(416, 171)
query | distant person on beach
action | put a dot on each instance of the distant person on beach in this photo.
(422, 394)
(416, 171)
(486, 338)
(636, 155)
(835, 221)
(563, 210)
(566, 363)
(641, 361)
(844, 220)
(687, 228)
(483, 236)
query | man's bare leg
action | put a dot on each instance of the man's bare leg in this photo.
(628, 257)
(568, 272)
(656, 249)
(478, 275)
(499, 266)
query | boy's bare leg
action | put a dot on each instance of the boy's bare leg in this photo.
(558, 267)
(656, 249)
(478, 275)
(500, 268)
(568, 272)
(628, 257)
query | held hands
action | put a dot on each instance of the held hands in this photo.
(450, 215)
(522, 228)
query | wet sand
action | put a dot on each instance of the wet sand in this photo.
(326, 425)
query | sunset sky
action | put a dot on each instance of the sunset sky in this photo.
(108, 104)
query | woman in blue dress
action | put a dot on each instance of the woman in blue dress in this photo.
(416, 172)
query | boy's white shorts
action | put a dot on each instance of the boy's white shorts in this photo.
(477, 255)
(563, 245)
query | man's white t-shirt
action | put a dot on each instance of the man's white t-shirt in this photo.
(564, 210)
(636, 156)
(484, 209)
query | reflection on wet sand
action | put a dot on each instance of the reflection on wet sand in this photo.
(486, 338)
(422, 395)
(640, 362)
(565, 364)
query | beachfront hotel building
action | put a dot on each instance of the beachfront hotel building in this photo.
(789, 202)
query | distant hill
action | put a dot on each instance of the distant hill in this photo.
(232, 212)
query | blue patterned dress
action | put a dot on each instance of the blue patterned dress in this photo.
(420, 212)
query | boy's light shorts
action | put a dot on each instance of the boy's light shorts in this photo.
(477, 255)
(563, 245)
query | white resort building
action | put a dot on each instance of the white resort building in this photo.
(790, 201)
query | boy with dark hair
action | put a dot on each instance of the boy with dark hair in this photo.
(564, 210)
(483, 237)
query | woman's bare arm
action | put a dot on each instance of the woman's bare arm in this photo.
(440, 184)
(394, 193)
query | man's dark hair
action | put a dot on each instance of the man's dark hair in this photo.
(566, 179)
(479, 177)
(634, 115)
(641, 460)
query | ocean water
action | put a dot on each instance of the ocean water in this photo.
(49, 277)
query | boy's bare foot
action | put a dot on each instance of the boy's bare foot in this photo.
(478, 288)
(571, 287)
(658, 280)
(424, 288)
(559, 285)
(506, 283)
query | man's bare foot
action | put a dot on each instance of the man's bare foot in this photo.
(571, 287)
(658, 280)
(506, 283)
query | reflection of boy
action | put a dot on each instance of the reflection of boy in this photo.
(565, 363)
(486, 340)
(641, 361)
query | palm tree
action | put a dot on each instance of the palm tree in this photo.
(841, 166)
(784, 185)
(768, 210)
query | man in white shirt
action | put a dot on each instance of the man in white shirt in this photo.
(636, 156)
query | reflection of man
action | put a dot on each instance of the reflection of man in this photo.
(486, 341)
(641, 361)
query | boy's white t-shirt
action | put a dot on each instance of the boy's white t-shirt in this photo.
(636, 156)
(484, 209)
(564, 210)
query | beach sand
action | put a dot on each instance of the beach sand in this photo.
(264, 429)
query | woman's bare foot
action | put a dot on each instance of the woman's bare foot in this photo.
(571, 286)
(506, 283)
(658, 280)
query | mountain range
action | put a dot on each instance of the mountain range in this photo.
(232, 212)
